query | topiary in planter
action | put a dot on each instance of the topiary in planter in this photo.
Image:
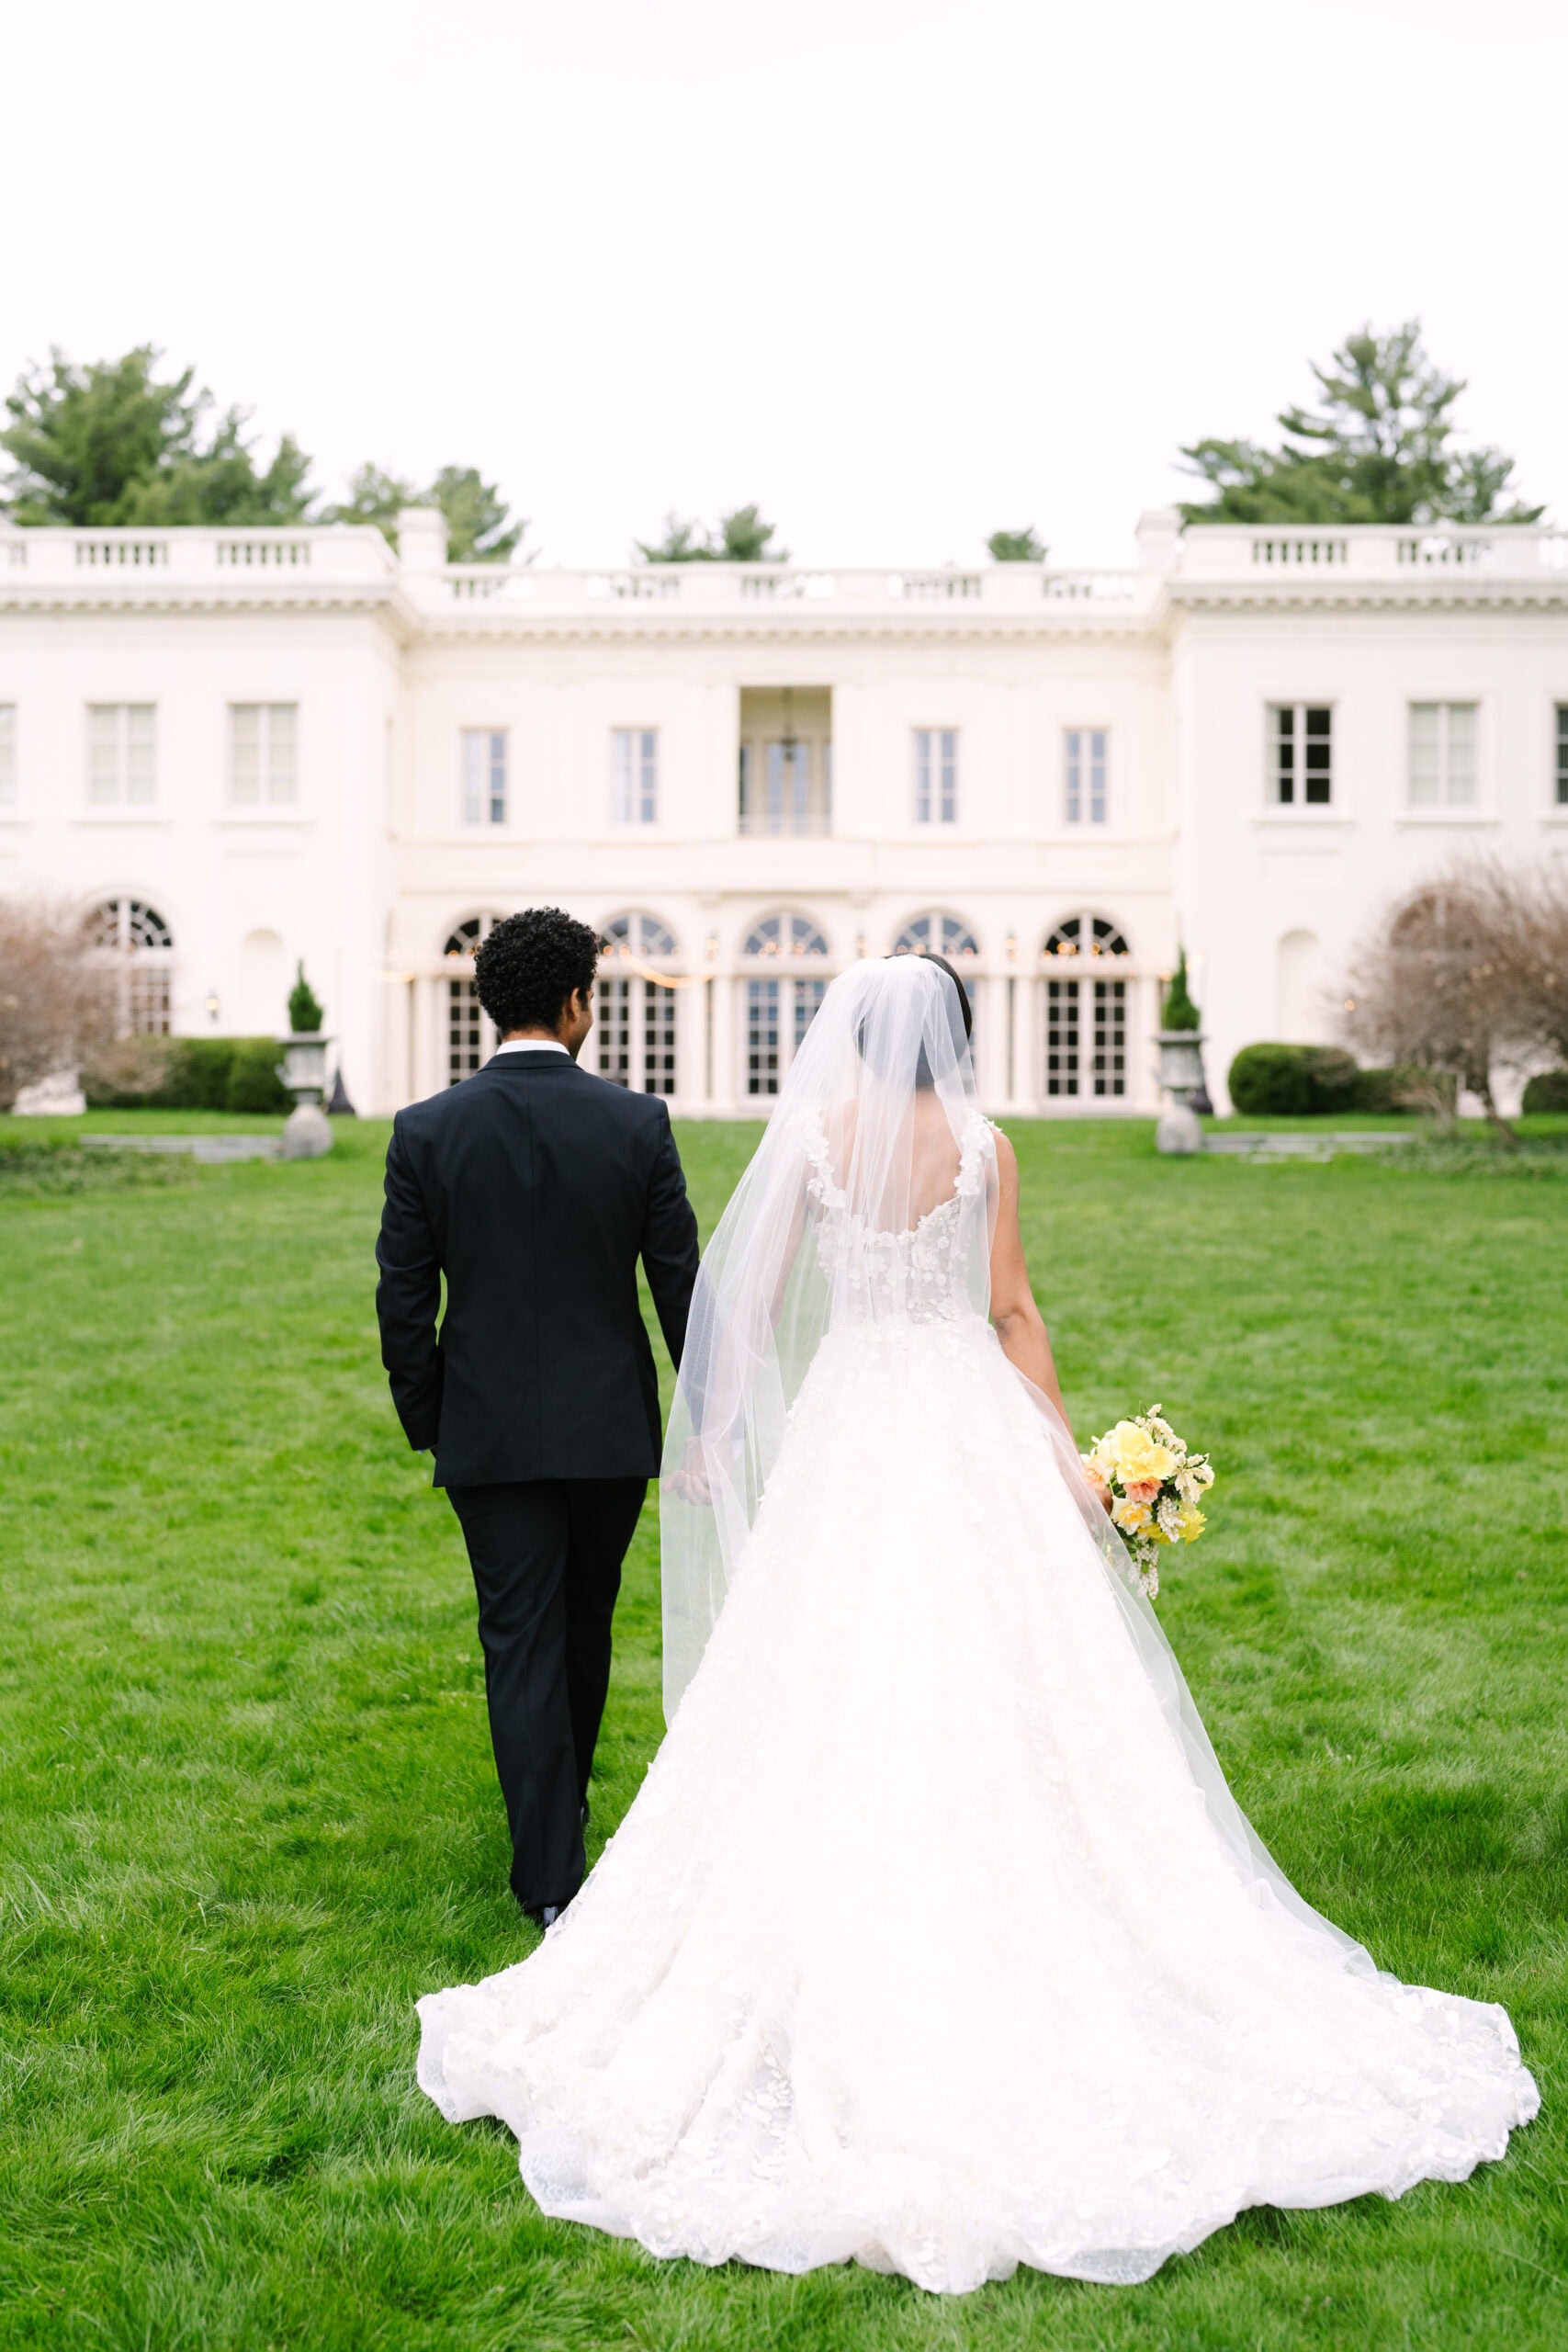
(305, 1014)
(1180, 1011)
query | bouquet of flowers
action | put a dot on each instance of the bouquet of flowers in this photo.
(1154, 1486)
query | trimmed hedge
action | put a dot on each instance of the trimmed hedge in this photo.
(1547, 1091)
(1316, 1081)
(200, 1074)
(1293, 1082)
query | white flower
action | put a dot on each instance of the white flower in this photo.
(1169, 1517)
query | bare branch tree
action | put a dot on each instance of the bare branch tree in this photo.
(56, 1003)
(1530, 916)
(1439, 985)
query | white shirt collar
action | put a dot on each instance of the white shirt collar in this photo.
(532, 1045)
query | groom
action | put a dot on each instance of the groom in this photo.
(535, 1188)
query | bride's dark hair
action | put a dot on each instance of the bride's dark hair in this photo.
(957, 998)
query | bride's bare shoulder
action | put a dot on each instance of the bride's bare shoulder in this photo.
(1007, 1173)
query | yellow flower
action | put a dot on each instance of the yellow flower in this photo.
(1137, 1457)
(1192, 1523)
(1131, 1518)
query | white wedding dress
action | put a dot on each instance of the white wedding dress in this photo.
(933, 1939)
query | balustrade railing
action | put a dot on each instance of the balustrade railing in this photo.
(138, 555)
(1514, 550)
(270, 554)
(264, 562)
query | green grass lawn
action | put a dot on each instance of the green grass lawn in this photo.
(247, 1811)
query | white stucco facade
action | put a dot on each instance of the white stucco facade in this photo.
(261, 746)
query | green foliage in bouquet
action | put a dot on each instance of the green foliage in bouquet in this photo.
(305, 1014)
(1181, 1013)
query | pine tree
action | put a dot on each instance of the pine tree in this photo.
(114, 443)
(1378, 450)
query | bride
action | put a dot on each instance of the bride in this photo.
(934, 1940)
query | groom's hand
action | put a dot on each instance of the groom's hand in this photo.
(690, 1481)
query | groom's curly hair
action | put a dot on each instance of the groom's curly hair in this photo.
(528, 966)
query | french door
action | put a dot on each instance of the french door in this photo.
(635, 1020)
(1085, 1040)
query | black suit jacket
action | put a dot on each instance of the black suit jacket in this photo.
(533, 1188)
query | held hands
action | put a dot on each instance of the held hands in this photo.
(690, 1480)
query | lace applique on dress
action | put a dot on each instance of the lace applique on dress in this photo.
(914, 1273)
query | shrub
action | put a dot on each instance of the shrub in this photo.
(1292, 1081)
(1548, 1090)
(1406, 1087)
(198, 1074)
(253, 1083)
(186, 1074)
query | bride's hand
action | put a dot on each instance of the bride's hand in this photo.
(690, 1480)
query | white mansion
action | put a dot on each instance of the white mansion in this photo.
(235, 750)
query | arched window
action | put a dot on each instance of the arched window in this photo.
(1087, 935)
(470, 1033)
(784, 934)
(642, 936)
(779, 1013)
(636, 1017)
(139, 947)
(936, 935)
(1086, 1021)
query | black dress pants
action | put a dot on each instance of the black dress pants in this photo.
(546, 1558)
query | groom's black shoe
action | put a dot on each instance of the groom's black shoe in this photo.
(543, 1915)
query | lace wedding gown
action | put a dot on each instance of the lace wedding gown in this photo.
(933, 1939)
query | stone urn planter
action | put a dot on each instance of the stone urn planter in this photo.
(304, 1071)
(1182, 1075)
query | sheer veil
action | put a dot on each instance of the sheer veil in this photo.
(846, 1167)
(877, 1129)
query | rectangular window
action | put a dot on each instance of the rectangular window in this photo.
(1302, 754)
(1561, 777)
(936, 775)
(1084, 794)
(1442, 755)
(762, 1037)
(634, 775)
(121, 771)
(262, 740)
(8, 755)
(484, 775)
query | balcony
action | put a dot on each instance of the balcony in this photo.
(785, 781)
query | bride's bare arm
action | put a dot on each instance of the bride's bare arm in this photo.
(1016, 1319)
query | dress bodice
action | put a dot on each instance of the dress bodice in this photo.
(917, 1275)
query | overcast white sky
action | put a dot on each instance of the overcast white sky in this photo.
(902, 270)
